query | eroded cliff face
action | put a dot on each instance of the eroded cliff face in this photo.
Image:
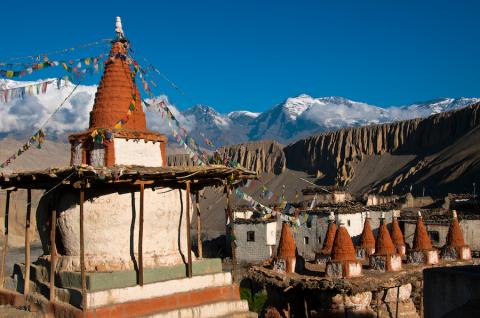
(335, 155)
(260, 156)
(378, 157)
(439, 153)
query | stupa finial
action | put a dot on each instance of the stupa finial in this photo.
(119, 29)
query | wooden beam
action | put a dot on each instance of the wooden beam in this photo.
(82, 252)
(189, 240)
(232, 233)
(199, 225)
(5, 241)
(53, 253)
(26, 288)
(140, 234)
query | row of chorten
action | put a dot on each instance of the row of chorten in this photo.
(384, 253)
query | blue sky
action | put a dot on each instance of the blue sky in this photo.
(253, 54)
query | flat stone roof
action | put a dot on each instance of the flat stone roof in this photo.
(313, 278)
(122, 175)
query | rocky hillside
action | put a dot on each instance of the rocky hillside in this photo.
(440, 153)
(259, 156)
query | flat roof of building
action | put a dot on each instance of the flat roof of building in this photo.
(122, 175)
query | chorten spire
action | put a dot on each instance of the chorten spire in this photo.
(384, 244)
(421, 240)
(455, 234)
(118, 98)
(397, 235)
(367, 239)
(343, 249)
(330, 236)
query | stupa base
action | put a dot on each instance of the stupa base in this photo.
(456, 253)
(423, 257)
(166, 292)
(343, 269)
(364, 252)
(386, 263)
(322, 258)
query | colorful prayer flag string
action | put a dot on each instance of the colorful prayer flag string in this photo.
(38, 137)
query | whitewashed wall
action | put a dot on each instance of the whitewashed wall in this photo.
(137, 152)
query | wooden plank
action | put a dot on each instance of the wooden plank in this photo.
(189, 240)
(82, 252)
(26, 288)
(199, 226)
(140, 235)
(53, 254)
(5, 241)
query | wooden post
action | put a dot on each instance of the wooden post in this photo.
(140, 235)
(26, 288)
(199, 226)
(189, 240)
(82, 251)
(398, 300)
(53, 254)
(5, 241)
(142, 184)
(232, 233)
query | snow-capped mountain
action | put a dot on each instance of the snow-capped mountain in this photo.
(294, 118)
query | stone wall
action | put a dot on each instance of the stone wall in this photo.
(253, 251)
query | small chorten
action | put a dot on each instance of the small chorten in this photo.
(422, 251)
(385, 257)
(286, 257)
(343, 262)
(367, 240)
(326, 250)
(455, 248)
(396, 234)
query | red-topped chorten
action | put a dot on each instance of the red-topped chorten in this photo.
(384, 244)
(330, 236)
(385, 257)
(117, 133)
(421, 240)
(286, 256)
(367, 240)
(422, 250)
(397, 235)
(455, 248)
(343, 260)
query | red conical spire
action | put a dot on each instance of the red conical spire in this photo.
(421, 240)
(286, 246)
(116, 92)
(367, 240)
(384, 244)
(343, 249)
(455, 234)
(330, 236)
(397, 236)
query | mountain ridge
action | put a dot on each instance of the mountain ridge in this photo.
(290, 120)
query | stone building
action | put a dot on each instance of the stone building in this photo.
(326, 195)
(256, 240)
